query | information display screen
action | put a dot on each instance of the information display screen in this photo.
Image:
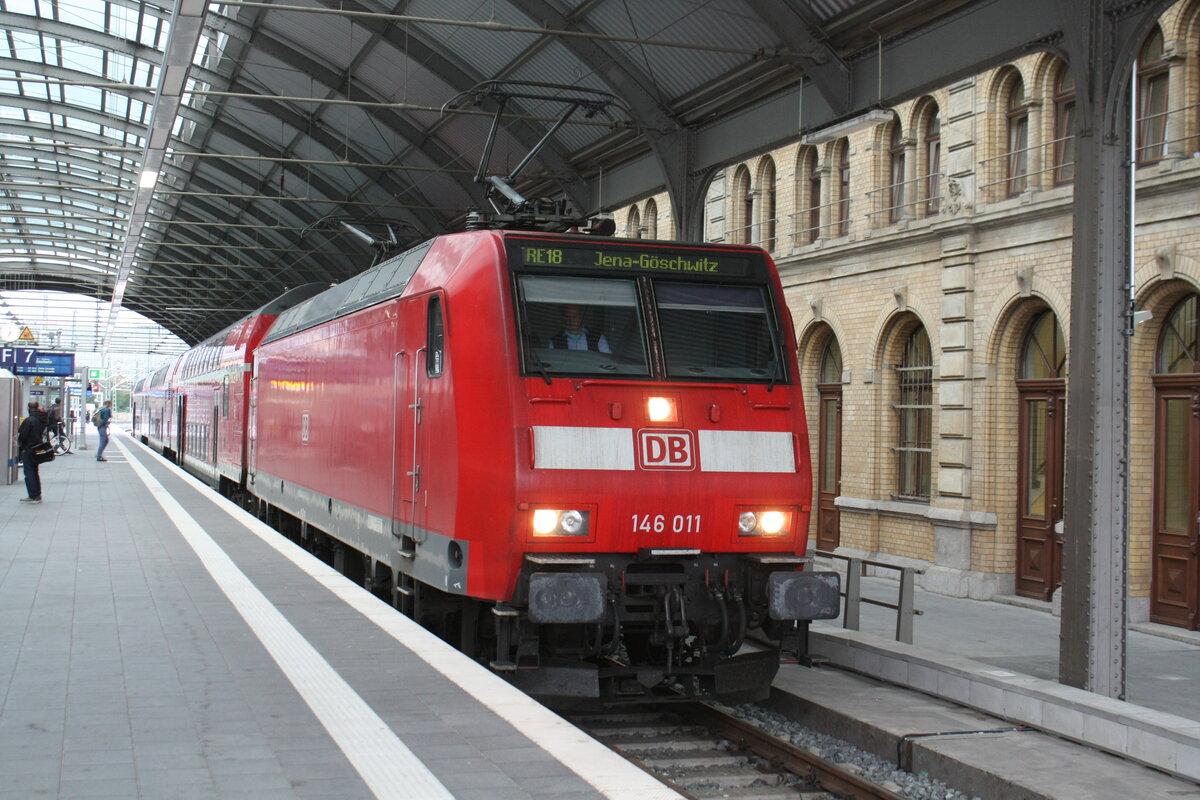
(634, 259)
(28, 361)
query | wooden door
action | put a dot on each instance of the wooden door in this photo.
(1176, 546)
(829, 468)
(1040, 487)
(1175, 551)
(829, 446)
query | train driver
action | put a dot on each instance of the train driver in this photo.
(574, 336)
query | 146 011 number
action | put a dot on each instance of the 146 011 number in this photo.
(661, 523)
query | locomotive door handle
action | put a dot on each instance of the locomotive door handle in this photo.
(397, 374)
(415, 473)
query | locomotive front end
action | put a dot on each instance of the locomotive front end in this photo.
(663, 484)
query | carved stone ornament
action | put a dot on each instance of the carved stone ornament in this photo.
(954, 197)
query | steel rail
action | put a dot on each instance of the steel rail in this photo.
(787, 756)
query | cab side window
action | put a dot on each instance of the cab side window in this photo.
(435, 339)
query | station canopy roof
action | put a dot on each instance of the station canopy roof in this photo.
(192, 162)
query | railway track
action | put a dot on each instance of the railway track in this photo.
(705, 753)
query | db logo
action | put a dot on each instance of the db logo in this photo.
(663, 449)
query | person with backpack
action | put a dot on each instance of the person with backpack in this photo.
(101, 419)
(32, 432)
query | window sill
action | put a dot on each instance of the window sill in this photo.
(907, 509)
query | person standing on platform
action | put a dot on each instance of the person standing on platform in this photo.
(105, 414)
(54, 418)
(32, 432)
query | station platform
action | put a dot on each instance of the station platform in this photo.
(158, 642)
(995, 664)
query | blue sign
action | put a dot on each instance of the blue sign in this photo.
(28, 361)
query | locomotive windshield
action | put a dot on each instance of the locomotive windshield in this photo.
(715, 331)
(637, 316)
(582, 326)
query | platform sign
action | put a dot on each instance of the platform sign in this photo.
(97, 374)
(28, 361)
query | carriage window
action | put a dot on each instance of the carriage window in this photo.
(435, 339)
(717, 332)
(581, 326)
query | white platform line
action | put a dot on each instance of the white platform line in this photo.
(609, 773)
(385, 763)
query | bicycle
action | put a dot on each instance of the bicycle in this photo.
(62, 442)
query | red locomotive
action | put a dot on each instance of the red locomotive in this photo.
(582, 459)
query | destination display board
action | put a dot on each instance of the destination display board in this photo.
(632, 258)
(29, 361)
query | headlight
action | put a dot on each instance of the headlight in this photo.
(765, 522)
(560, 522)
(545, 521)
(771, 522)
(572, 523)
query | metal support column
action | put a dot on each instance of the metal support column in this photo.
(1100, 46)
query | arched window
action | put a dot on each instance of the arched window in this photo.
(914, 409)
(767, 207)
(743, 207)
(1044, 354)
(895, 195)
(1017, 138)
(1179, 347)
(651, 219)
(633, 224)
(808, 196)
(1064, 125)
(932, 147)
(842, 150)
(1152, 100)
(831, 362)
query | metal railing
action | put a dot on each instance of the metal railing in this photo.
(921, 205)
(754, 234)
(855, 568)
(999, 172)
(832, 229)
(1172, 131)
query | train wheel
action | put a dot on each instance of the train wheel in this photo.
(382, 580)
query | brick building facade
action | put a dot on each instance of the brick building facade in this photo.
(926, 260)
